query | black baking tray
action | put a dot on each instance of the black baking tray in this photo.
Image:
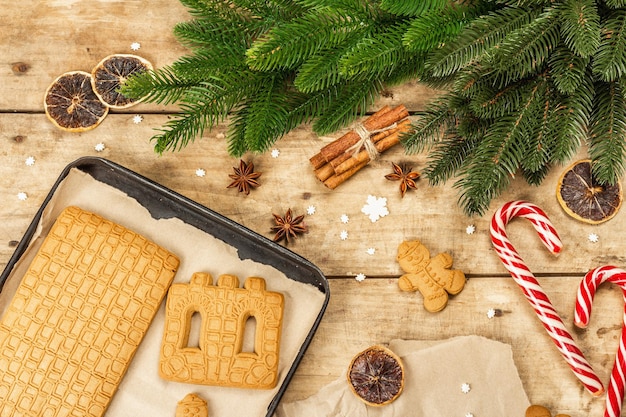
(164, 203)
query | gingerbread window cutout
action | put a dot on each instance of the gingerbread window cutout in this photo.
(225, 310)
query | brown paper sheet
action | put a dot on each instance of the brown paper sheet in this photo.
(142, 392)
(434, 374)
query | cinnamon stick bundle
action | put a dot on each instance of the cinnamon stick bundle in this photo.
(337, 161)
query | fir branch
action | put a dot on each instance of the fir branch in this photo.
(271, 11)
(432, 124)
(610, 59)
(323, 69)
(224, 9)
(608, 129)
(203, 106)
(412, 7)
(539, 140)
(536, 177)
(350, 102)
(376, 56)
(264, 119)
(288, 46)
(580, 26)
(571, 120)
(429, 31)
(567, 69)
(496, 159)
(448, 157)
(477, 38)
(209, 32)
(161, 86)
(524, 52)
(490, 102)
(365, 10)
(207, 64)
(615, 3)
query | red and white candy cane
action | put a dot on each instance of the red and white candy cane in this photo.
(532, 290)
(584, 300)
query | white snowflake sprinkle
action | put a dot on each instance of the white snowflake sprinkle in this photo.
(275, 153)
(470, 229)
(593, 238)
(137, 119)
(344, 218)
(30, 161)
(343, 235)
(360, 277)
(22, 196)
(465, 388)
(135, 46)
(371, 251)
(375, 208)
(200, 172)
(469, 415)
(491, 313)
(310, 210)
(99, 147)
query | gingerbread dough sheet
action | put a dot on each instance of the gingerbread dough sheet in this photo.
(142, 391)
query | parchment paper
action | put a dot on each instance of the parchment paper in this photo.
(142, 392)
(433, 378)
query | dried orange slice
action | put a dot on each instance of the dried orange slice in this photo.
(111, 73)
(376, 376)
(71, 104)
(583, 198)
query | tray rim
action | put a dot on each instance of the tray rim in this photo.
(179, 199)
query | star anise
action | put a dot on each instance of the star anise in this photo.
(288, 227)
(244, 177)
(405, 174)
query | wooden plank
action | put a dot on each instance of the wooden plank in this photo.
(428, 214)
(53, 37)
(376, 312)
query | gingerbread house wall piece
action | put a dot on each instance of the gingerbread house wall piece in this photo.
(224, 310)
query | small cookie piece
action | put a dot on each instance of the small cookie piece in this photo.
(78, 315)
(430, 276)
(540, 411)
(219, 359)
(192, 406)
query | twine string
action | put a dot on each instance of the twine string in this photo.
(365, 140)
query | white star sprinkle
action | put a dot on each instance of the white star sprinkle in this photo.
(593, 238)
(99, 147)
(491, 313)
(375, 208)
(371, 251)
(469, 415)
(344, 218)
(343, 235)
(310, 210)
(465, 388)
(360, 277)
(470, 229)
(137, 119)
(200, 172)
(275, 153)
(135, 46)
(22, 196)
(220, 136)
(30, 161)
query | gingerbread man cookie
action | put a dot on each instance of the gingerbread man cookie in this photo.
(430, 276)
(540, 411)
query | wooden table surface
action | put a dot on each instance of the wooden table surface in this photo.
(41, 40)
